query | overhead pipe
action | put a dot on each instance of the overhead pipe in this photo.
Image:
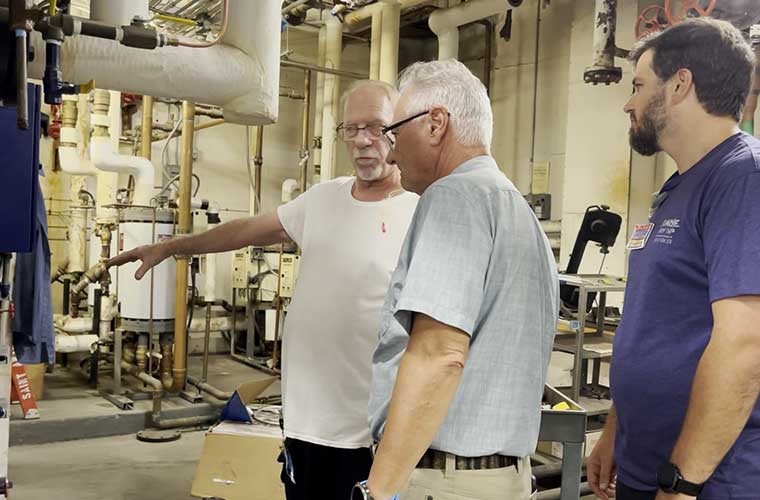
(353, 21)
(184, 228)
(603, 69)
(389, 41)
(105, 158)
(375, 43)
(334, 47)
(322, 69)
(445, 23)
(241, 74)
(319, 99)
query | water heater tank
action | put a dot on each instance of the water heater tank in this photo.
(138, 226)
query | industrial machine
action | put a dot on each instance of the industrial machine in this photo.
(600, 226)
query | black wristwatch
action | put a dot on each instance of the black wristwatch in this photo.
(670, 480)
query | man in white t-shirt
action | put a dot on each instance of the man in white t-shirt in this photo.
(350, 231)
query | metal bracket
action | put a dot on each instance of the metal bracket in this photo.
(121, 402)
(191, 396)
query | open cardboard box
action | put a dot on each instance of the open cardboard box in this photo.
(239, 457)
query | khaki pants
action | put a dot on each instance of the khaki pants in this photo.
(509, 483)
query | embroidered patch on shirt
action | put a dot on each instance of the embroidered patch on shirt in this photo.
(640, 236)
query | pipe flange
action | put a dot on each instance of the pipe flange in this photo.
(597, 75)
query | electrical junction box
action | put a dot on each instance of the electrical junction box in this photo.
(288, 273)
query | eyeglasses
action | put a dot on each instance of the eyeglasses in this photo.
(388, 131)
(349, 132)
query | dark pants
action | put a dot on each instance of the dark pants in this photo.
(322, 472)
(624, 492)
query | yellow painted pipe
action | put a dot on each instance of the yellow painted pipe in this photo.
(174, 19)
(184, 227)
(210, 123)
(146, 127)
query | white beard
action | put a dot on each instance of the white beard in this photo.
(369, 174)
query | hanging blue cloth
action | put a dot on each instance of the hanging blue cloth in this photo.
(33, 332)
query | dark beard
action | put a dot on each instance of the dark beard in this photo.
(645, 139)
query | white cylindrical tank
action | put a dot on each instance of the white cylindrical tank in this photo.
(136, 229)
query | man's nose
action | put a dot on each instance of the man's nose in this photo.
(362, 140)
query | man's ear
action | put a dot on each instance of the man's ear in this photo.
(439, 122)
(681, 85)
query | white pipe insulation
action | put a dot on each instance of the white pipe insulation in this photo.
(334, 48)
(241, 74)
(65, 343)
(445, 23)
(119, 13)
(105, 158)
(83, 324)
(389, 41)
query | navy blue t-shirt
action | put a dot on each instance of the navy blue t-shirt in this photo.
(704, 246)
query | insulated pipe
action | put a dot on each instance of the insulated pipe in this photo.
(119, 13)
(330, 104)
(354, 19)
(104, 158)
(445, 23)
(241, 74)
(68, 153)
(389, 41)
(65, 343)
(184, 228)
(375, 41)
(78, 325)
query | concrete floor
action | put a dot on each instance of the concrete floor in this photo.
(112, 468)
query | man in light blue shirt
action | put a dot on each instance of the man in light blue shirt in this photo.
(469, 319)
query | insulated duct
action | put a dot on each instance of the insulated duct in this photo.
(241, 74)
(445, 23)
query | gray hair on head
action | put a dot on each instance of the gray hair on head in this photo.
(390, 91)
(450, 84)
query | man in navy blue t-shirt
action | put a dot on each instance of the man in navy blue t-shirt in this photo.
(685, 373)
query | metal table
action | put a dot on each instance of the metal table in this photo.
(569, 428)
(574, 342)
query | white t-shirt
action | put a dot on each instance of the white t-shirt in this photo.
(349, 251)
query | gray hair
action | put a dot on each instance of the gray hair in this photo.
(390, 91)
(450, 84)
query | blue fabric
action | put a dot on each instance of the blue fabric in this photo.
(704, 246)
(33, 333)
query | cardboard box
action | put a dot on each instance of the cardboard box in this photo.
(239, 457)
(555, 449)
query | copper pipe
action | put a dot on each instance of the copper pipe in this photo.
(305, 130)
(210, 123)
(320, 69)
(146, 127)
(184, 227)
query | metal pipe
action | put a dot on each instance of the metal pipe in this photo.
(184, 227)
(210, 389)
(389, 46)
(305, 130)
(603, 69)
(320, 69)
(154, 383)
(210, 123)
(334, 49)
(185, 421)
(258, 162)
(535, 88)
(375, 42)
(146, 127)
(21, 75)
(206, 340)
(488, 54)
